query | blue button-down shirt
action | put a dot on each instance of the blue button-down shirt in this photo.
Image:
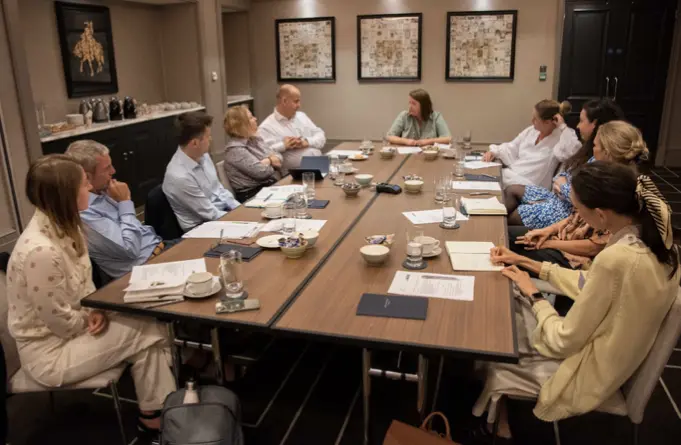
(117, 240)
(194, 191)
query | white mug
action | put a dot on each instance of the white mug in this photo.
(200, 282)
(429, 244)
(273, 210)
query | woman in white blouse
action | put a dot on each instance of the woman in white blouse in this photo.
(533, 156)
(59, 341)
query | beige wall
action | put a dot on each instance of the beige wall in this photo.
(136, 34)
(237, 52)
(348, 109)
(180, 49)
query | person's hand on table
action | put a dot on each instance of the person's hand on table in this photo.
(410, 142)
(503, 255)
(488, 156)
(290, 143)
(423, 142)
(534, 239)
(97, 322)
(303, 143)
(275, 161)
(521, 279)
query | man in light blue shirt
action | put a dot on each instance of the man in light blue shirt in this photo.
(191, 183)
(117, 240)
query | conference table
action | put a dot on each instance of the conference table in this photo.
(316, 296)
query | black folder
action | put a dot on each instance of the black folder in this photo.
(393, 306)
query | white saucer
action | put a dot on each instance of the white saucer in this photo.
(351, 172)
(269, 241)
(264, 215)
(449, 156)
(216, 288)
(434, 253)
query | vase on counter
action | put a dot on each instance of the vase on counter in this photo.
(115, 112)
(99, 112)
(129, 108)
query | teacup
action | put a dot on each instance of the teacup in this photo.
(364, 179)
(310, 236)
(430, 155)
(200, 282)
(413, 185)
(429, 244)
(273, 210)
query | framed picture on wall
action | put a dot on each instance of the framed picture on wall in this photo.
(306, 49)
(87, 49)
(389, 47)
(481, 45)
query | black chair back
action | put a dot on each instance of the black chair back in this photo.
(159, 215)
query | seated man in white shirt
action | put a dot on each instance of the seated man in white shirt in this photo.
(191, 183)
(289, 131)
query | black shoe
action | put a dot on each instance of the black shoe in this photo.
(152, 435)
(483, 436)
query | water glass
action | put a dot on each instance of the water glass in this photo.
(288, 223)
(414, 248)
(308, 185)
(334, 167)
(460, 163)
(231, 273)
(449, 211)
(443, 188)
(340, 179)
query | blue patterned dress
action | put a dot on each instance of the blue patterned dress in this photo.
(540, 207)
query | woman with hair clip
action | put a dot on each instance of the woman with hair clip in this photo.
(49, 273)
(533, 156)
(537, 207)
(419, 125)
(577, 363)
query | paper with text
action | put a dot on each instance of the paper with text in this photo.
(225, 229)
(451, 287)
(430, 216)
(301, 225)
(476, 185)
(403, 150)
(475, 165)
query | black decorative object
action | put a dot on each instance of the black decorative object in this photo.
(389, 47)
(129, 108)
(306, 49)
(481, 45)
(115, 112)
(87, 49)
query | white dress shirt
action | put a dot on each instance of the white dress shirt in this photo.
(531, 163)
(277, 127)
(194, 191)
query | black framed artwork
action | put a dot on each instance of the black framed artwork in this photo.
(306, 49)
(87, 49)
(389, 47)
(481, 45)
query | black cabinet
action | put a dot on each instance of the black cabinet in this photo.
(140, 152)
(618, 49)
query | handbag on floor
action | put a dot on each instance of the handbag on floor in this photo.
(402, 434)
(214, 420)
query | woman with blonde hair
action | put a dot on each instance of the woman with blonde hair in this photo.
(49, 273)
(533, 156)
(249, 163)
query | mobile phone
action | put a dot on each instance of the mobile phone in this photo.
(222, 307)
(384, 187)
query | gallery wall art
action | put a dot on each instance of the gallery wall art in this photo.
(306, 49)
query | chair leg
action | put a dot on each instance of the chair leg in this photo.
(497, 418)
(635, 438)
(117, 407)
(556, 432)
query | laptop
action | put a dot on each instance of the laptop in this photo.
(319, 165)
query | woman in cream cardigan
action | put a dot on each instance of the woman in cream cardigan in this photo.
(578, 363)
(59, 341)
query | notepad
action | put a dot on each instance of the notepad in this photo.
(225, 229)
(161, 282)
(475, 165)
(488, 206)
(471, 256)
(273, 194)
(430, 216)
(408, 150)
(476, 185)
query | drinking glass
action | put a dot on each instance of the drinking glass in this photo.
(231, 273)
(460, 163)
(449, 211)
(442, 188)
(308, 184)
(300, 200)
(288, 223)
(334, 167)
(340, 179)
(414, 248)
(468, 136)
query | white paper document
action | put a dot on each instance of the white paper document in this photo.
(175, 272)
(225, 229)
(472, 158)
(476, 185)
(344, 152)
(489, 206)
(276, 225)
(408, 150)
(471, 256)
(430, 216)
(451, 287)
(273, 194)
(474, 165)
(443, 146)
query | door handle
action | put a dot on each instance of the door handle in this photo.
(617, 82)
(607, 87)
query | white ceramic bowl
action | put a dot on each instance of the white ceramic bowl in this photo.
(311, 236)
(294, 252)
(413, 185)
(364, 178)
(75, 119)
(375, 254)
(430, 155)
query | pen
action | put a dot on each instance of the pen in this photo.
(222, 231)
(480, 193)
(489, 176)
(268, 197)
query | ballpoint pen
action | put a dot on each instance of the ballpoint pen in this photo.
(480, 193)
(489, 176)
(268, 197)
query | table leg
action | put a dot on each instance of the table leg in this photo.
(174, 353)
(422, 390)
(217, 356)
(437, 383)
(366, 392)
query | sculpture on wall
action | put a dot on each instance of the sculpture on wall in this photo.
(89, 50)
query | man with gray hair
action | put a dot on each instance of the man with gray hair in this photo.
(117, 240)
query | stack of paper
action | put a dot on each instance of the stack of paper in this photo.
(344, 152)
(430, 216)
(273, 194)
(161, 282)
(302, 225)
(474, 164)
(403, 150)
(476, 185)
(471, 256)
(489, 206)
(451, 287)
(472, 158)
(441, 146)
(225, 229)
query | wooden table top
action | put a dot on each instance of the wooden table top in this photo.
(270, 277)
(482, 328)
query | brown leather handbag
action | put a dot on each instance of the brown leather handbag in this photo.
(402, 434)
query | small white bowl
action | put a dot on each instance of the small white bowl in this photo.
(413, 185)
(364, 179)
(430, 155)
(374, 254)
(311, 236)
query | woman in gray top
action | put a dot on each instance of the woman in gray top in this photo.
(249, 163)
(420, 125)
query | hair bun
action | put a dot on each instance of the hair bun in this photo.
(565, 107)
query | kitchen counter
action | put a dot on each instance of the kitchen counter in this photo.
(114, 124)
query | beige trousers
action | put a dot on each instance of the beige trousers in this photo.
(142, 343)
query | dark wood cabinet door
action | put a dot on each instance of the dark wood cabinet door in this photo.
(584, 59)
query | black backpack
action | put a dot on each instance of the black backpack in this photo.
(215, 420)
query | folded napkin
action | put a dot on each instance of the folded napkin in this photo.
(247, 253)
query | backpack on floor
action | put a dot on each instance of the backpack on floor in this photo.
(215, 420)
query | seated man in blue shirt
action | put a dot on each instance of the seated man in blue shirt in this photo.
(191, 182)
(117, 240)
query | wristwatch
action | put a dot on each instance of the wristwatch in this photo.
(536, 297)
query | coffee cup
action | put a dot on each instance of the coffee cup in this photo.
(413, 185)
(273, 210)
(429, 244)
(200, 282)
